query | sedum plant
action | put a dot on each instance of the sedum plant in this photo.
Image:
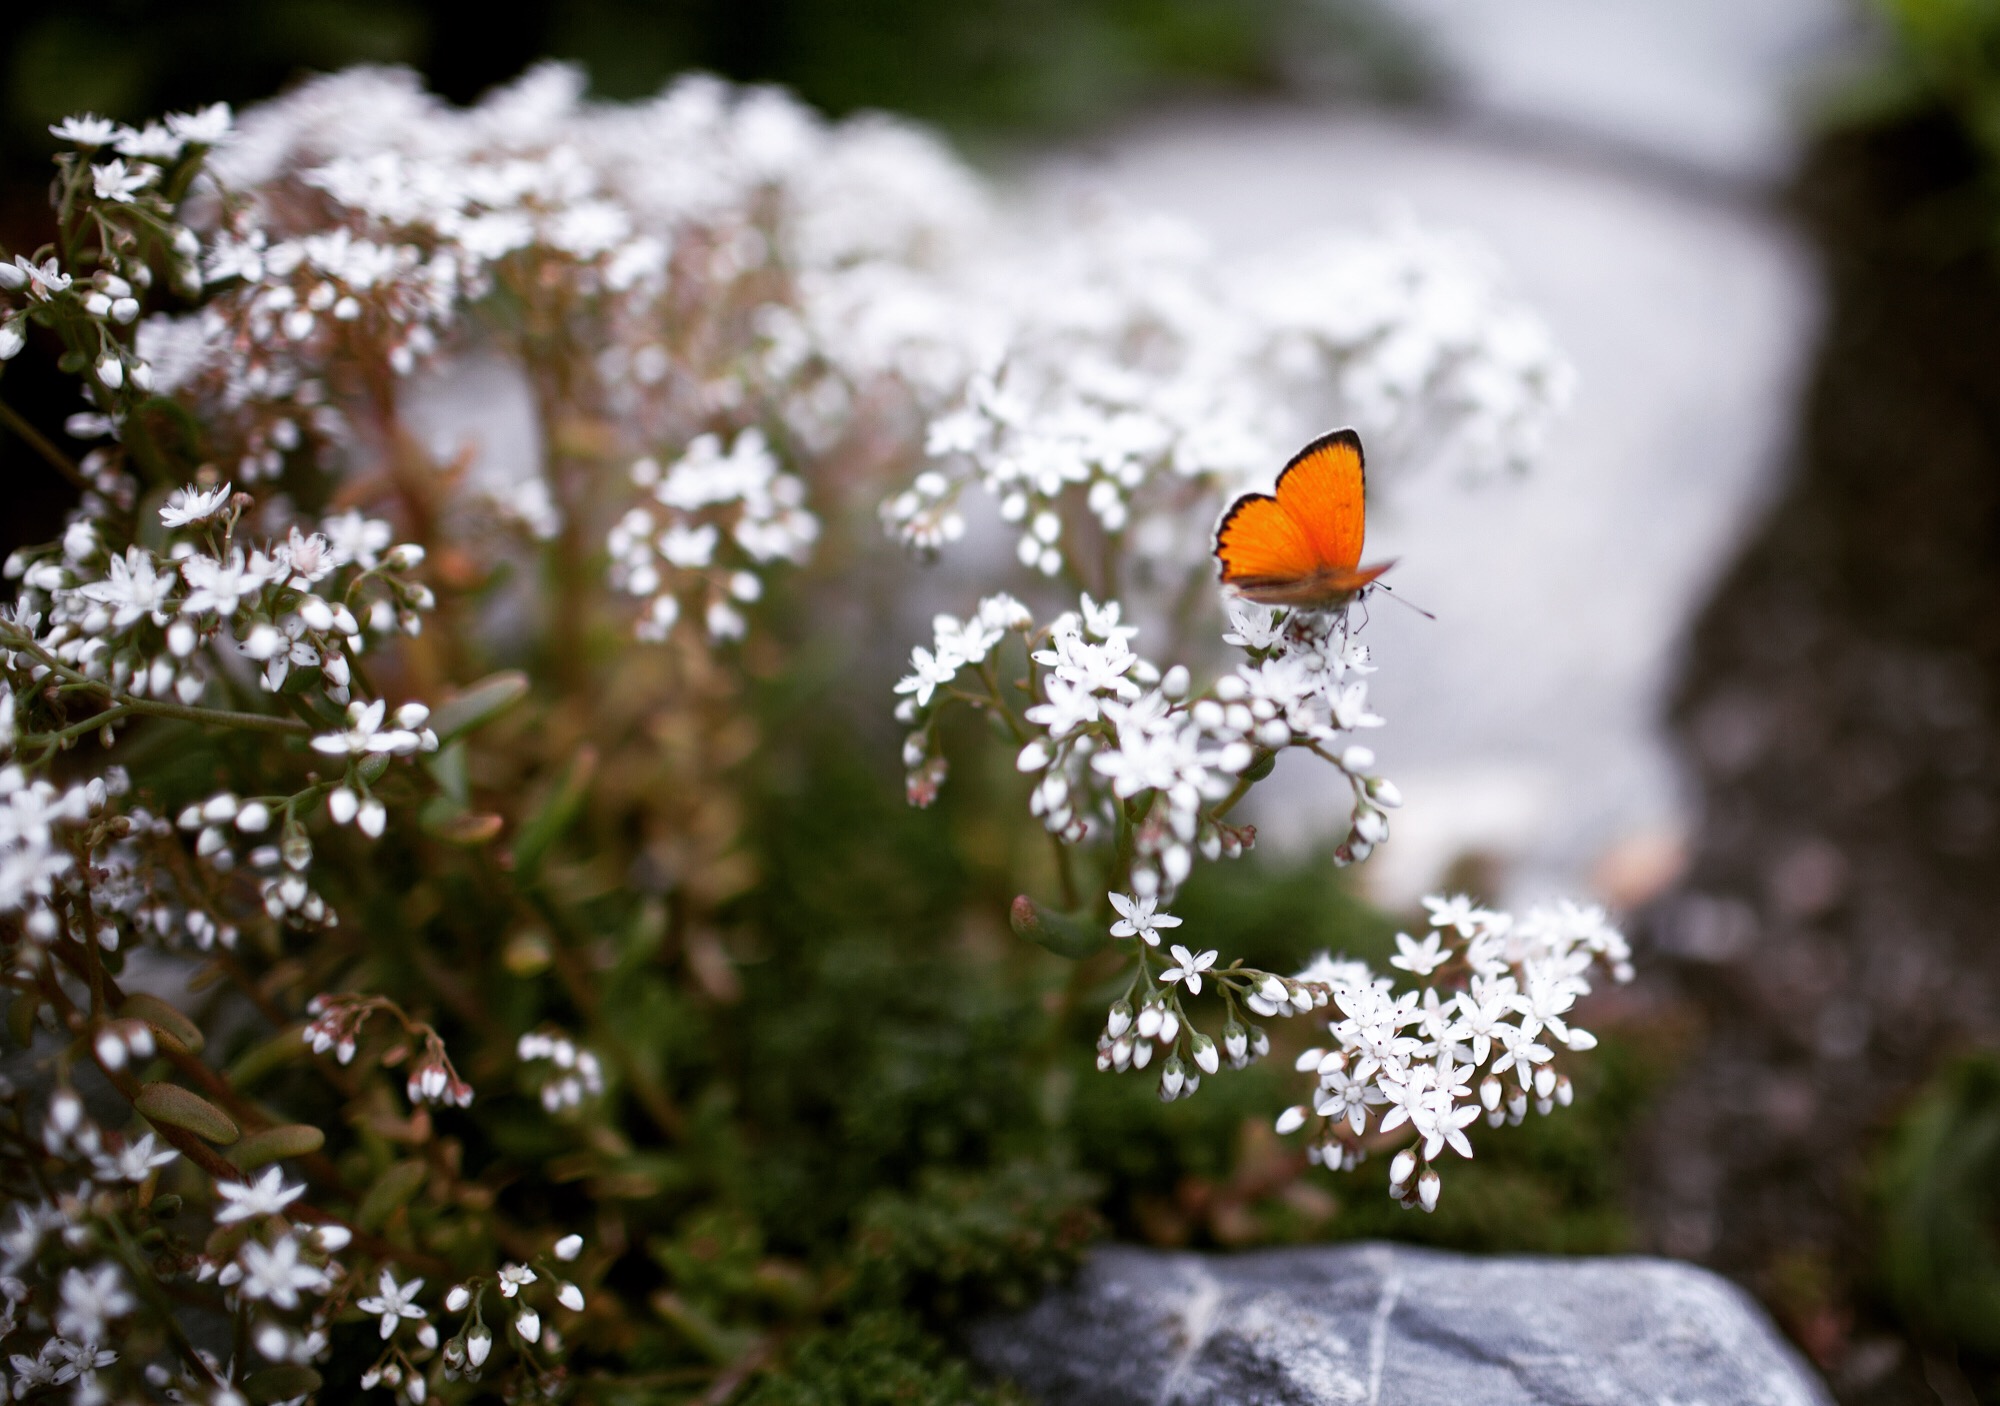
(377, 876)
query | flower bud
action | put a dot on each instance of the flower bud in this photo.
(1403, 1167)
(569, 1296)
(1205, 1055)
(456, 1300)
(1150, 1016)
(1120, 1019)
(1292, 1119)
(568, 1248)
(1491, 1092)
(528, 1324)
(478, 1342)
(342, 804)
(1428, 1187)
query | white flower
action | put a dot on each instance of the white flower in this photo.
(222, 586)
(277, 1274)
(933, 671)
(395, 1303)
(1188, 967)
(355, 537)
(134, 1162)
(266, 1196)
(1419, 958)
(1458, 912)
(365, 734)
(1067, 707)
(152, 142)
(90, 1300)
(86, 129)
(186, 506)
(115, 181)
(134, 588)
(513, 1278)
(203, 128)
(1137, 918)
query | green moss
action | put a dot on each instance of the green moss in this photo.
(878, 1359)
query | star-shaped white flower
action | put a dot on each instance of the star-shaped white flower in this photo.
(277, 1274)
(395, 1303)
(186, 506)
(1188, 967)
(1136, 918)
(1419, 958)
(265, 1196)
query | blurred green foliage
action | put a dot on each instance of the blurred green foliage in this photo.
(915, 1113)
(1938, 1208)
(1942, 67)
(1945, 52)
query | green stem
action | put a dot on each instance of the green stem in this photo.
(158, 708)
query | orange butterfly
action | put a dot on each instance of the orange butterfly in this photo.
(1303, 547)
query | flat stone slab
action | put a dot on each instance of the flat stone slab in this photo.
(1386, 1325)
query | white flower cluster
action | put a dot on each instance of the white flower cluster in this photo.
(707, 506)
(32, 858)
(1127, 377)
(132, 209)
(55, 1283)
(140, 622)
(1132, 757)
(1497, 997)
(364, 220)
(572, 1074)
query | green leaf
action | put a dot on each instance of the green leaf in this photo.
(277, 1144)
(176, 1107)
(391, 1190)
(447, 767)
(479, 704)
(167, 1022)
(283, 1048)
(1072, 935)
(557, 814)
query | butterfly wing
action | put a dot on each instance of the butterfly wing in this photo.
(1324, 490)
(1302, 547)
(1259, 541)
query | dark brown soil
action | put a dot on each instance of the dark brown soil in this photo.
(1838, 933)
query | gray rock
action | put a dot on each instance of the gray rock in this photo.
(1388, 1324)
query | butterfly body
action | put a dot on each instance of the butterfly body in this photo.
(1301, 546)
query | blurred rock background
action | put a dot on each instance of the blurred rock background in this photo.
(1729, 658)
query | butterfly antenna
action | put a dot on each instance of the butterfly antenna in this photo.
(1406, 604)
